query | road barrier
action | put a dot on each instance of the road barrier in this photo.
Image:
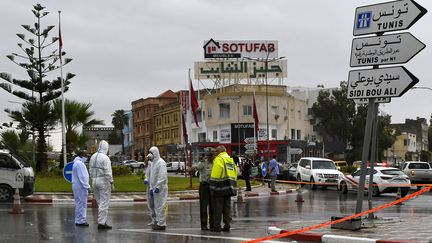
(290, 233)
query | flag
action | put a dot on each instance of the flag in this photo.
(60, 44)
(185, 135)
(193, 102)
(255, 115)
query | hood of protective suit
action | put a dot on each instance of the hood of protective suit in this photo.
(155, 152)
(103, 147)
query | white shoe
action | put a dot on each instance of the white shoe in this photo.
(150, 224)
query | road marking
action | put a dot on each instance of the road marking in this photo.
(149, 231)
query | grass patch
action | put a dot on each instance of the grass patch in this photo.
(126, 183)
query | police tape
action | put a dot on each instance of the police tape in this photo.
(289, 233)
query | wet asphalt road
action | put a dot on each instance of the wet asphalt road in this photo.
(55, 223)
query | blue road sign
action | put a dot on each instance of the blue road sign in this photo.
(67, 172)
(264, 169)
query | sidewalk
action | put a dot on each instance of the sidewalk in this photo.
(139, 197)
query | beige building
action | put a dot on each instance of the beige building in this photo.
(143, 122)
(404, 148)
(167, 127)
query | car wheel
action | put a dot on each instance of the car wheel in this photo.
(6, 193)
(312, 185)
(375, 190)
(141, 166)
(343, 187)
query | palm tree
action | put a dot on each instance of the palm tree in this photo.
(120, 120)
(76, 115)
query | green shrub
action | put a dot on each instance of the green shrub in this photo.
(348, 169)
(120, 170)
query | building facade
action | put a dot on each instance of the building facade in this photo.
(167, 133)
(96, 134)
(143, 122)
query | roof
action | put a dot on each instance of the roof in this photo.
(167, 94)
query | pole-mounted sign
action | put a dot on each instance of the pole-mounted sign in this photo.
(386, 17)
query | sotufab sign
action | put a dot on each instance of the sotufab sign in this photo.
(240, 49)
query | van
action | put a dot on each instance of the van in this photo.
(14, 173)
(175, 166)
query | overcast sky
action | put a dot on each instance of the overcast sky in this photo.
(131, 49)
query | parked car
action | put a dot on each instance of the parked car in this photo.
(288, 171)
(133, 164)
(341, 164)
(418, 172)
(175, 166)
(385, 180)
(318, 170)
(15, 172)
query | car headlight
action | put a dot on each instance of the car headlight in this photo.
(320, 175)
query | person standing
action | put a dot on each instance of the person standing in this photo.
(103, 182)
(223, 180)
(204, 168)
(80, 188)
(158, 189)
(246, 172)
(273, 169)
(150, 204)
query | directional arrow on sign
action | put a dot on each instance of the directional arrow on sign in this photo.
(250, 151)
(386, 49)
(249, 140)
(385, 17)
(383, 82)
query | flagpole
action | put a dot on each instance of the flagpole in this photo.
(190, 128)
(62, 94)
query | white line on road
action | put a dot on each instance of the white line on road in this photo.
(149, 231)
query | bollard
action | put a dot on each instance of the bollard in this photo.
(239, 196)
(16, 208)
(299, 198)
(399, 195)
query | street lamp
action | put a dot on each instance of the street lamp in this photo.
(266, 61)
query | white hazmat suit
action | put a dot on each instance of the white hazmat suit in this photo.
(156, 175)
(80, 188)
(101, 173)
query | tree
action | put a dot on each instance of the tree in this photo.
(37, 90)
(338, 117)
(120, 120)
(335, 113)
(76, 115)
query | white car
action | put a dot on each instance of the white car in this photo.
(385, 180)
(318, 171)
(133, 164)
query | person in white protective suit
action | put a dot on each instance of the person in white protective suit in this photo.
(150, 204)
(103, 182)
(80, 188)
(158, 189)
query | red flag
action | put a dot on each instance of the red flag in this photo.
(255, 115)
(60, 44)
(185, 135)
(193, 102)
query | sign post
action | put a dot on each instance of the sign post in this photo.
(381, 50)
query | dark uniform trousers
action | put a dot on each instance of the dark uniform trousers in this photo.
(222, 208)
(205, 204)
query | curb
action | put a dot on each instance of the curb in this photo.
(327, 238)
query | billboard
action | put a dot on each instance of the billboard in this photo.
(266, 49)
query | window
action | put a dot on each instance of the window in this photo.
(224, 110)
(274, 133)
(405, 142)
(201, 137)
(8, 163)
(209, 113)
(293, 134)
(214, 136)
(247, 110)
(275, 110)
(299, 134)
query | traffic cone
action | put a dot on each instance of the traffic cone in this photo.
(299, 198)
(239, 196)
(16, 208)
(399, 196)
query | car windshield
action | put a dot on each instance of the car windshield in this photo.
(323, 164)
(392, 172)
(419, 166)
